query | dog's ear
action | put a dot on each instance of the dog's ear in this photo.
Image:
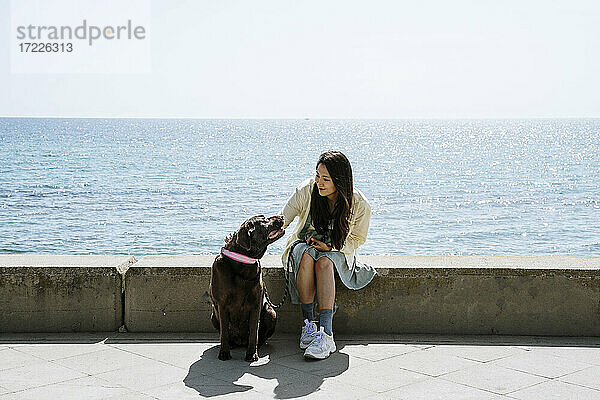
(243, 237)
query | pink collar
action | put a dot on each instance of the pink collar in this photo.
(238, 257)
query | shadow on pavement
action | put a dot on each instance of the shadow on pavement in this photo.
(299, 377)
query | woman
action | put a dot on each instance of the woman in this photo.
(333, 222)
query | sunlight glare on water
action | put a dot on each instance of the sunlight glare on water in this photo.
(154, 186)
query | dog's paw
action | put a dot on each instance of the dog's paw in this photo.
(251, 357)
(224, 355)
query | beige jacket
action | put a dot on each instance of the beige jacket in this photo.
(299, 205)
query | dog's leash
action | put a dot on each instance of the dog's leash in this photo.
(287, 290)
(285, 294)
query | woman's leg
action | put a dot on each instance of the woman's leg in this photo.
(305, 282)
(326, 292)
(305, 279)
(323, 344)
(325, 282)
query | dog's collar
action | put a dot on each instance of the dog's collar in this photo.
(238, 257)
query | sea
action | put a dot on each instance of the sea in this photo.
(179, 186)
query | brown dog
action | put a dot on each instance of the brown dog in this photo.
(240, 310)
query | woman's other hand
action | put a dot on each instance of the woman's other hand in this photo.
(317, 244)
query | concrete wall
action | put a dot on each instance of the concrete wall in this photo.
(411, 294)
(54, 293)
(478, 295)
(168, 294)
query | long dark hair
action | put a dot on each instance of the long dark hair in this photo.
(340, 171)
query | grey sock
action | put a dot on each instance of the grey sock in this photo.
(307, 311)
(326, 320)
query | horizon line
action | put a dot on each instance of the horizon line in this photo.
(296, 118)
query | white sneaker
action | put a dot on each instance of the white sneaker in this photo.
(309, 331)
(321, 347)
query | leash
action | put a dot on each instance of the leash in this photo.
(287, 290)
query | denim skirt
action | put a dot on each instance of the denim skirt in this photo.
(354, 278)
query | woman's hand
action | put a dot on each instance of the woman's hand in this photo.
(317, 244)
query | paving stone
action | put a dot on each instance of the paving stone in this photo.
(328, 389)
(149, 375)
(34, 375)
(493, 378)
(380, 396)
(152, 366)
(131, 395)
(178, 354)
(271, 378)
(439, 389)
(278, 349)
(57, 351)
(589, 377)
(378, 351)
(208, 363)
(543, 365)
(379, 376)
(590, 355)
(89, 388)
(336, 364)
(481, 353)
(186, 354)
(103, 361)
(10, 358)
(208, 389)
(430, 362)
(554, 389)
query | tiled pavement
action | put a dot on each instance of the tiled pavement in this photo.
(177, 366)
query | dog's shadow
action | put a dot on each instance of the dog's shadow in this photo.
(295, 375)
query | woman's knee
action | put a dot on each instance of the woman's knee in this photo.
(306, 268)
(323, 264)
(307, 260)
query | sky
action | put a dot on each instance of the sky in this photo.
(337, 59)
